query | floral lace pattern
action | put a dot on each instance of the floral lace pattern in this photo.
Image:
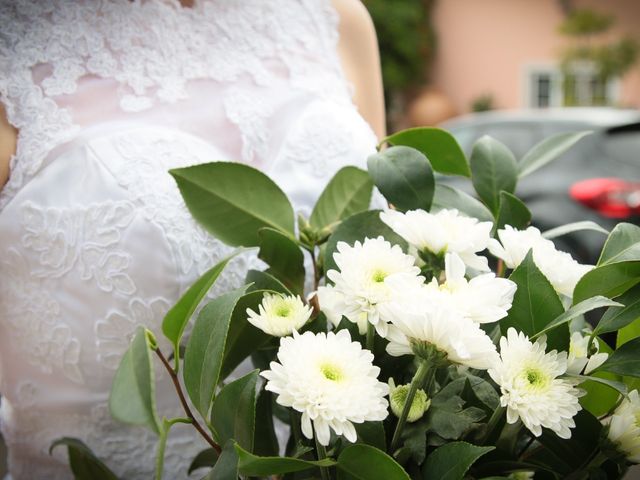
(65, 41)
(87, 236)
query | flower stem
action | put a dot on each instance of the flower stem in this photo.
(492, 424)
(416, 382)
(322, 454)
(162, 443)
(371, 336)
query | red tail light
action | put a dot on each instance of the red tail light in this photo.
(611, 197)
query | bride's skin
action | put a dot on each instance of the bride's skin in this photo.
(358, 50)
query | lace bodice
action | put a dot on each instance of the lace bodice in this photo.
(107, 96)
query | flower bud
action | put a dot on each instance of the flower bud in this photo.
(398, 397)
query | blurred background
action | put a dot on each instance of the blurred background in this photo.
(443, 58)
(521, 71)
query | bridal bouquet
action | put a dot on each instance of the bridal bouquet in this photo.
(442, 337)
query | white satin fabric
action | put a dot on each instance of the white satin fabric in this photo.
(95, 240)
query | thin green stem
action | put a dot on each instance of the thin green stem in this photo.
(416, 382)
(322, 454)
(295, 427)
(493, 423)
(371, 336)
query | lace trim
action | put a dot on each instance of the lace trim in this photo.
(223, 40)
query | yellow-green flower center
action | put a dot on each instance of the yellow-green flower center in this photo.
(379, 276)
(331, 372)
(283, 310)
(535, 377)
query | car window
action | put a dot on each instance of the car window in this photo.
(465, 137)
(519, 137)
(623, 146)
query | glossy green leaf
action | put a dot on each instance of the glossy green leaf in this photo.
(205, 351)
(452, 461)
(205, 458)
(612, 384)
(347, 193)
(371, 433)
(577, 311)
(84, 464)
(622, 245)
(233, 201)
(535, 305)
(493, 170)
(450, 197)
(364, 462)
(622, 315)
(624, 361)
(265, 442)
(177, 318)
(512, 211)
(548, 150)
(284, 257)
(574, 227)
(404, 176)
(254, 466)
(243, 338)
(607, 280)
(133, 393)
(233, 414)
(600, 397)
(226, 468)
(358, 227)
(439, 146)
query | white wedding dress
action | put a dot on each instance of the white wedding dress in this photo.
(94, 237)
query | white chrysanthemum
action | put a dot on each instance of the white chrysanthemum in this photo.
(483, 299)
(331, 380)
(279, 315)
(442, 232)
(362, 283)
(562, 271)
(419, 325)
(624, 427)
(531, 389)
(579, 358)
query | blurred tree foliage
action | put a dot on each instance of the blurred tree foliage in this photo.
(608, 60)
(407, 43)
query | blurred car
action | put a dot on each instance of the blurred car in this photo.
(598, 179)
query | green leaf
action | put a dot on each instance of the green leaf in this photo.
(206, 458)
(284, 256)
(622, 245)
(438, 145)
(358, 227)
(371, 433)
(226, 468)
(612, 384)
(205, 350)
(347, 193)
(535, 305)
(512, 212)
(450, 197)
(265, 440)
(621, 315)
(243, 338)
(132, 399)
(254, 466)
(233, 201)
(574, 227)
(608, 280)
(404, 176)
(548, 150)
(364, 462)
(451, 461)
(493, 169)
(177, 318)
(258, 280)
(233, 414)
(576, 311)
(624, 361)
(84, 464)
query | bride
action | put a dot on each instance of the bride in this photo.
(99, 99)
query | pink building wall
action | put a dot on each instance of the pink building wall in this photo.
(485, 46)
